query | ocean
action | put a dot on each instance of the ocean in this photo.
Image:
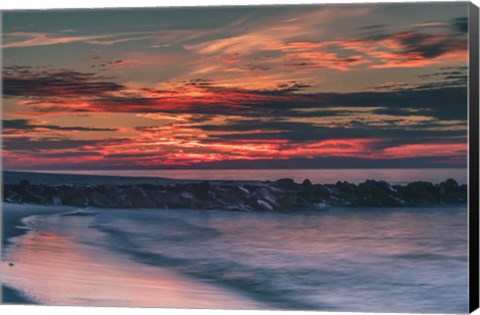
(370, 260)
(318, 176)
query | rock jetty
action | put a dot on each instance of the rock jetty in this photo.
(281, 195)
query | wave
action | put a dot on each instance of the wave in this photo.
(413, 260)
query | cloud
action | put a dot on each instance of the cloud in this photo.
(419, 44)
(14, 126)
(245, 93)
(449, 77)
(299, 44)
(461, 24)
(319, 60)
(28, 82)
(384, 50)
(60, 91)
(431, 24)
(29, 145)
(196, 120)
(32, 39)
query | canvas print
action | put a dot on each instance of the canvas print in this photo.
(300, 157)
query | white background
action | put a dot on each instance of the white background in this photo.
(47, 4)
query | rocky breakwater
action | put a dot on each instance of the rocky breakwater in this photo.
(280, 195)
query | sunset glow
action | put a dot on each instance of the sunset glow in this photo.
(230, 87)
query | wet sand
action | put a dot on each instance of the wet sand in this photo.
(12, 214)
(54, 263)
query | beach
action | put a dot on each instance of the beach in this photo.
(80, 269)
(309, 157)
(382, 260)
(11, 220)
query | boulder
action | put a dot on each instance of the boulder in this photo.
(306, 183)
(99, 199)
(264, 205)
(138, 198)
(421, 193)
(320, 192)
(285, 183)
(346, 187)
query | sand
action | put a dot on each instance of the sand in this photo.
(50, 266)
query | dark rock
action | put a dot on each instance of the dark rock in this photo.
(267, 195)
(11, 196)
(320, 192)
(281, 195)
(203, 190)
(24, 184)
(307, 183)
(264, 205)
(455, 195)
(167, 199)
(451, 184)
(345, 187)
(76, 201)
(285, 183)
(100, 199)
(421, 193)
(373, 187)
(138, 198)
(448, 186)
(251, 188)
(205, 185)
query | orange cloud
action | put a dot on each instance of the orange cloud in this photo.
(426, 149)
(31, 39)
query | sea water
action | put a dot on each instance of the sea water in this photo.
(317, 176)
(363, 259)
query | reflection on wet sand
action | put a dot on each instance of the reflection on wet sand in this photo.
(52, 265)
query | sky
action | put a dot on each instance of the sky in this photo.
(310, 86)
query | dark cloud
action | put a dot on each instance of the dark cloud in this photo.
(335, 63)
(308, 132)
(29, 82)
(116, 62)
(448, 77)
(255, 67)
(375, 26)
(422, 139)
(198, 82)
(68, 154)
(29, 125)
(444, 98)
(438, 80)
(425, 45)
(405, 112)
(27, 144)
(129, 155)
(292, 86)
(461, 24)
(440, 98)
(443, 102)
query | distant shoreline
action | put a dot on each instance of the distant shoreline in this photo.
(236, 195)
(319, 175)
